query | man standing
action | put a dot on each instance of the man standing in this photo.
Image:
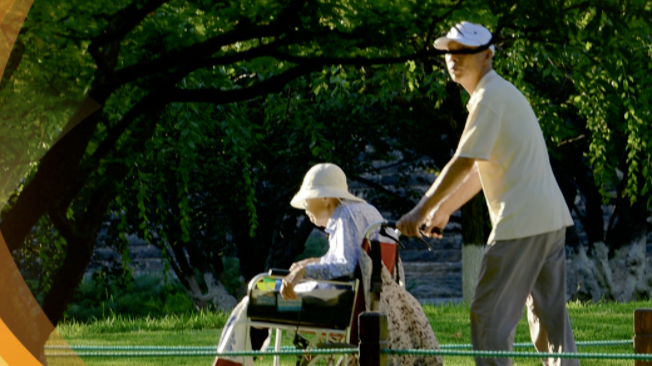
(503, 153)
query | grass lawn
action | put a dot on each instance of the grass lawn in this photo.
(450, 323)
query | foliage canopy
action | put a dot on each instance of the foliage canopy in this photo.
(189, 121)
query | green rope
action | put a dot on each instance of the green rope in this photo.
(447, 350)
(629, 342)
(411, 352)
(505, 354)
(134, 348)
(130, 354)
(288, 352)
(147, 348)
(213, 348)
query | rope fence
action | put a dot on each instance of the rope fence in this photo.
(212, 349)
(287, 352)
(372, 351)
(411, 352)
(446, 350)
(505, 354)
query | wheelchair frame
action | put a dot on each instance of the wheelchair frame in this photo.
(318, 331)
(288, 326)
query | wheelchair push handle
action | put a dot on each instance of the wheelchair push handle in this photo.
(435, 230)
(278, 272)
(384, 225)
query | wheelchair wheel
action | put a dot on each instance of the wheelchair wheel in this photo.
(329, 345)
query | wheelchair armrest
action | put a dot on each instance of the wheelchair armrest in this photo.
(278, 272)
(273, 274)
(284, 272)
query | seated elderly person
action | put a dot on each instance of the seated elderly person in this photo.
(325, 198)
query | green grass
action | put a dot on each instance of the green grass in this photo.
(450, 323)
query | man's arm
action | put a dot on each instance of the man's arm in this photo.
(459, 173)
(469, 188)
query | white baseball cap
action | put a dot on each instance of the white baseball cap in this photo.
(323, 180)
(468, 34)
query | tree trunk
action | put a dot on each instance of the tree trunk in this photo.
(252, 252)
(627, 241)
(289, 243)
(81, 234)
(79, 250)
(588, 287)
(615, 269)
(14, 60)
(217, 295)
(51, 180)
(57, 178)
(472, 245)
(636, 282)
(80, 241)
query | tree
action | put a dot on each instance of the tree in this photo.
(187, 196)
(600, 135)
(129, 66)
(133, 80)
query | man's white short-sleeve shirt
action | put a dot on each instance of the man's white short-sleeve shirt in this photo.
(503, 133)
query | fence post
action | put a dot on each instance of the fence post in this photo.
(643, 334)
(373, 338)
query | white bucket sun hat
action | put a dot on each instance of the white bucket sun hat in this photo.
(323, 180)
(468, 34)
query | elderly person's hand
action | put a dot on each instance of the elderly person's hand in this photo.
(291, 280)
(303, 263)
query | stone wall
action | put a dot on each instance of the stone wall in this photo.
(435, 276)
(146, 258)
(431, 276)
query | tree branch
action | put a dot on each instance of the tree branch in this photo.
(15, 57)
(60, 222)
(123, 21)
(577, 6)
(131, 73)
(156, 98)
(73, 38)
(114, 170)
(436, 20)
(280, 25)
(217, 96)
(355, 61)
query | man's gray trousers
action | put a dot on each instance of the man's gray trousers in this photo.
(529, 271)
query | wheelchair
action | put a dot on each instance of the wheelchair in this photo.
(330, 314)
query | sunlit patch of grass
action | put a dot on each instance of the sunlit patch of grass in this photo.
(200, 321)
(451, 324)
